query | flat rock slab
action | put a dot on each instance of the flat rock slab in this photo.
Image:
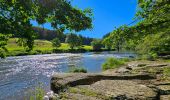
(123, 89)
(165, 97)
(59, 81)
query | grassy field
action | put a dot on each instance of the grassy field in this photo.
(40, 47)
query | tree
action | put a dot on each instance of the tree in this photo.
(73, 40)
(56, 43)
(97, 44)
(16, 16)
(150, 35)
(107, 42)
(117, 38)
(154, 28)
(3, 42)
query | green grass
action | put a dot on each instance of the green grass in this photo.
(166, 72)
(40, 47)
(78, 70)
(112, 63)
(82, 91)
(38, 93)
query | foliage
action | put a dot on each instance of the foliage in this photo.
(16, 16)
(40, 47)
(78, 70)
(38, 94)
(73, 40)
(107, 42)
(56, 43)
(85, 40)
(112, 63)
(117, 38)
(166, 73)
(96, 44)
(3, 43)
(150, 35)
(46, 34)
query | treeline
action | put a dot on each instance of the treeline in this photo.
(150, 36)
(46, 34)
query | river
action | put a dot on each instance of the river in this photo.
(20, 75)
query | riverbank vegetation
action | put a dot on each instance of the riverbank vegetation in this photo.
(78, 70)
(41, 47)
(149, 36)
(112, 63)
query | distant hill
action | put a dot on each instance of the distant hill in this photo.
(46, 34)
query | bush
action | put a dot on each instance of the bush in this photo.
(2, 55)
(56, 43)
(73, 40)
(38, 93)
(78, 70)
(150, 56)
(97, 45)
(126, 59)
(112, 63)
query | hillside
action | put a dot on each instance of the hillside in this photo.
(40, 47)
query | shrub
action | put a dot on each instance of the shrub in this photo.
(150, 56)
(73, 40)
(125, 59)
(112, 63)
(56, 43)
(38, 94)
(97, 45)
(78, 70)
(2, 54)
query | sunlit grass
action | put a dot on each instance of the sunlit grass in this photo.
(112, 63)
(40, 46)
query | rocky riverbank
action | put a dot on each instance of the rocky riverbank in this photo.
(137, 80)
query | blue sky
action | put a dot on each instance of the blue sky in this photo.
(108, 14)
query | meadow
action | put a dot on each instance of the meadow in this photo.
(41, 47)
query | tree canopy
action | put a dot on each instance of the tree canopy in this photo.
(151, 33)
(16, 16)
(73, 40)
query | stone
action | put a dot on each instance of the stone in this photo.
(157, 65)
(165, 97)
(164, 89)
(123, 89)
(137, 80)
(60, 81)
(122, 70)
(141, 65)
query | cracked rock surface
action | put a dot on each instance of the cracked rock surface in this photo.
(137, 80)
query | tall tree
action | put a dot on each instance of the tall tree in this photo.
(16, 16)
(73, 40)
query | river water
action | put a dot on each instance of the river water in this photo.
(20, 75)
